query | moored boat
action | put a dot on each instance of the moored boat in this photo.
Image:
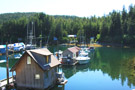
(2, 49)
(83, 58)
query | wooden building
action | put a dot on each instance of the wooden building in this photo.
(36, 69)
(69, 55)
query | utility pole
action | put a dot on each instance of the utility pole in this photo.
(7, 64)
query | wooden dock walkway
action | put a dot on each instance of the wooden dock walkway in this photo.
(3, 82)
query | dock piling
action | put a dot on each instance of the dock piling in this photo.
(7, 63)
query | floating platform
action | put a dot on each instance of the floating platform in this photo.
(69, 63)
(62, 83)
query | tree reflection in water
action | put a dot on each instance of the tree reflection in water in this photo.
(116, 62)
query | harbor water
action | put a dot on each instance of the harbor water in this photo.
(109, 69)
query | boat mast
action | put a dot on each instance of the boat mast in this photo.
(31, 34)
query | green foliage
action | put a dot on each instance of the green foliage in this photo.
(97, 37)
(117, 27)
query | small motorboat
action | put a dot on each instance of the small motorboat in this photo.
(83, 58)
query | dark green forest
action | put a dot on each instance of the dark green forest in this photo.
(118, 27)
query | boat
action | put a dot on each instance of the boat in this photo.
(87, 50)
(19, 47)
(17, 56)
(2, 49)
(30, 46)
(91, 48)
(58, 55)
(2, 61)
(83, 58)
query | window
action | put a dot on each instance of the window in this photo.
(37, 76)
(74, 55)
(47, 59)
(28, 60)
(68, 55)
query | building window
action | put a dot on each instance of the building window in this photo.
(37, 76)
(28, 60)
(74, 55)
(47, 60)
(68, 55)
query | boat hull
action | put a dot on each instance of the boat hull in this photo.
(83, 61)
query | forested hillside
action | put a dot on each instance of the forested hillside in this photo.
(117, 27)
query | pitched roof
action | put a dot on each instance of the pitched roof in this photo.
(43, 51)
(77, 48)
(34, 55)
(74, 49)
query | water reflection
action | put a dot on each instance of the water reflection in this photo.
(69, 71)
(12, 61)
(116, 62)
(111, 66)
(109, 69)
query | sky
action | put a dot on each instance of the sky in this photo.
(81, 8)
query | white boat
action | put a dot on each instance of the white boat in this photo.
(2, 61)
(83, 58)
(30, 46)
(18, 47)
(86, 50)
(17, 56)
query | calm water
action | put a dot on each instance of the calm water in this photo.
(12, 61)
(109, 69)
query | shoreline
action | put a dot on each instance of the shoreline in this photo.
(100, 45)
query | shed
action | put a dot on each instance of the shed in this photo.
(70, 54)
(36, 69)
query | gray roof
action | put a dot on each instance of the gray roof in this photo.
(35, 56)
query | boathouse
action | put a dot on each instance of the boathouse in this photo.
(36, 69)
(69, 55)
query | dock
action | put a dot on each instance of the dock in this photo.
(62, 82)
(70, 63)
(3, 82)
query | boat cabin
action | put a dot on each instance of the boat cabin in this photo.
(36, 69)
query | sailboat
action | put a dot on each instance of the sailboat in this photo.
(31, 37)
(83, 57)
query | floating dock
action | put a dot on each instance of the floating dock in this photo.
(70, 63)
(63, 83)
